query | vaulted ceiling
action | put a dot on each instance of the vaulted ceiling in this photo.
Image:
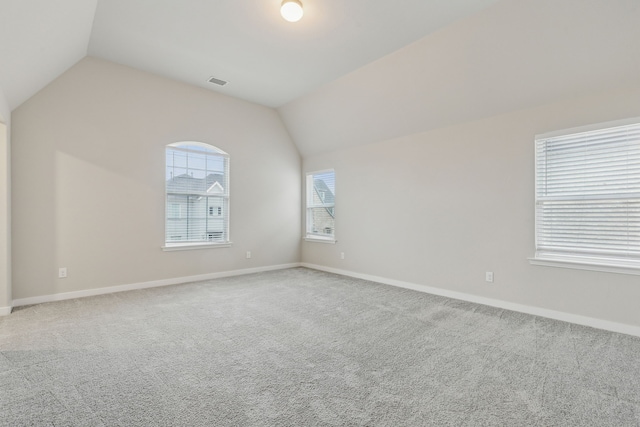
(39, 40)
(350, 72)
(245, 42)
(514, 55)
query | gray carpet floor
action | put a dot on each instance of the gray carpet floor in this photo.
(300, 347)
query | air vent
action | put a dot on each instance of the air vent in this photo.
(217, 81)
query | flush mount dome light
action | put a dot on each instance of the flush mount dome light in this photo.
(291, 10)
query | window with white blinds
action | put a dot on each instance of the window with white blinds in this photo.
(197, 195)
(321, 192)
(588, 195)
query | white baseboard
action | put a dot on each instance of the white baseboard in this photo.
(144, 285)
(536, 311)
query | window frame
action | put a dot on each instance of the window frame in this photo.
(206, 242)
(310, 236)
(576, 260)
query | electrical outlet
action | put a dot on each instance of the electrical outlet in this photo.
(488, 276)
(62, 272)
(341, 255)
(248, 254)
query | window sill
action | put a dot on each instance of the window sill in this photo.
(317, 239)
(194, 246)
(590, 264)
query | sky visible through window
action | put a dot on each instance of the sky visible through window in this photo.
(328, 178)
(193, 163)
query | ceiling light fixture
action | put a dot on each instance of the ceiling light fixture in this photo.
(291, 10)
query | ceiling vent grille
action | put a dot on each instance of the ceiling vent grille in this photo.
(217, 81)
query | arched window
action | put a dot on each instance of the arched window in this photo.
(197, 195)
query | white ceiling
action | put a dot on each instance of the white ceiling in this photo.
(245, 42)
(351, 71)
(516, 54)
(39, 40)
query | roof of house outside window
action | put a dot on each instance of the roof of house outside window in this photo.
(187, 184)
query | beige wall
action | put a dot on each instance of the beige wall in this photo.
(5, 217)
(88, 180)
(459, 201)
(5, 228)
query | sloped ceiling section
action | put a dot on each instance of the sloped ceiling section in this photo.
(246, 42)
(39, 40)
(513, 55)
(4, 108)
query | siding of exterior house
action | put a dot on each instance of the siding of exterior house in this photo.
(196, 209)
(322, 218)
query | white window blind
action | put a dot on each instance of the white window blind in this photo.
(588, 196)
(321, 191)
(197, 194)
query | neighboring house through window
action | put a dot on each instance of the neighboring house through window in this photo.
(197, 195)
(588, 197)
(215, 211)
(321, 190)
